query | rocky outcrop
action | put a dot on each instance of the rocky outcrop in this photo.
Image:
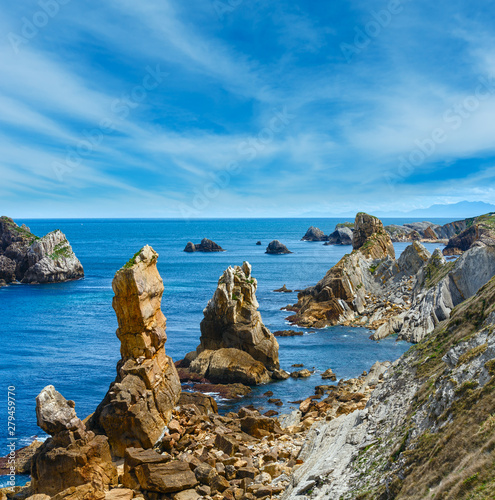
(314, 234)
(341, 295)
(425, 430)
(26, 258)
(277, 248)
(73, 457)
(479, 232)
(206, 245)
(235, 345)
(441, 286)
(139, 403)
(341, 236)
(425, 231)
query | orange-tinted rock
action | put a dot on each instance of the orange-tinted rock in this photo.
(138, 405)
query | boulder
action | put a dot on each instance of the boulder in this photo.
(26, 258)
(329, 375)
(314, 234)
(206, 245)
(258, 243)
(139, 403)
(284, 289)
(232, 322)
(54, 413)
(135, 457)
(168, 477)
(277, 248)
(205, 404)
(228, 366)
(72, 457)
(259, 427)
(301, 374)
(287, 333)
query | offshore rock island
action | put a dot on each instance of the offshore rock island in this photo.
(26, 258)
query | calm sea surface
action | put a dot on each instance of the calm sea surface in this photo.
(64, 334)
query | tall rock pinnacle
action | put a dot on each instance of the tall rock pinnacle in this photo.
(138, 405)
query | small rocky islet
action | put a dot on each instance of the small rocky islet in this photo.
(409, 429)
(27, 258)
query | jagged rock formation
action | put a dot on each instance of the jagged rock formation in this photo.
(206, 245)
(341, 294)
(26, 258)
(235, 344)
(138, 404)
(427, 430)
(277, 248)
(341, 236)
(425, 231)
(408, 296)
(314, 234)
(73, 458)
(479, 231)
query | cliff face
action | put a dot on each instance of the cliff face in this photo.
(138, 405)
(479, 231)
(341, 294)
(25, 257)
(426, 432)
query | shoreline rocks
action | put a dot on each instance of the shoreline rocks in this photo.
(277, 248)
(27, 258)
(73, 458)
(206, 245)
(139, 402)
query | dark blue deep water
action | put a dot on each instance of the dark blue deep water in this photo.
(64, 334)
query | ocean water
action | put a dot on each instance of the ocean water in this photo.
(64, 334)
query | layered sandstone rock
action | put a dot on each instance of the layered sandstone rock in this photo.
(73, 457)
(232, 323)
(25, 257)
(138, 405)
(341, 294)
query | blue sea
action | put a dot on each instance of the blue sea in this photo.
(64, 334)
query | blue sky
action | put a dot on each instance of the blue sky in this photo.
(224, 108)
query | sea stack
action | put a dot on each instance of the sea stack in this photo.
(314, 234)
(206, 245)
(277, 248)
(235, 345)
(26, 258)
(138, 405)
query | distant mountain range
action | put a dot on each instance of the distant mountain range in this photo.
(454, 211)
(461, 210)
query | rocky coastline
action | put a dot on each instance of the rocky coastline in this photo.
(421, 427)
